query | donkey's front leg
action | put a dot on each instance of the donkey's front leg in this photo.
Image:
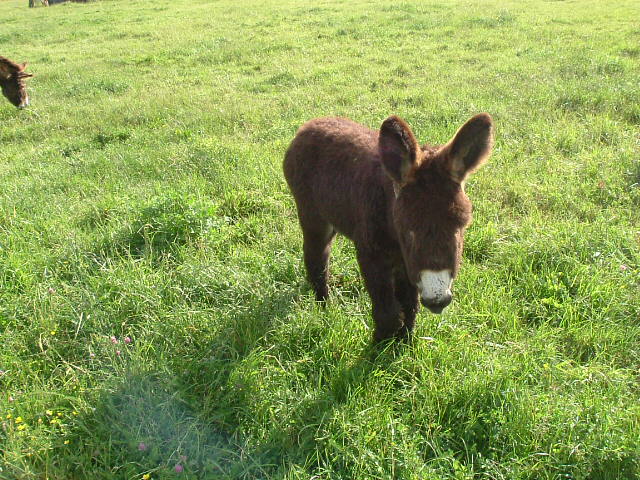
(407, 295)
(378, 278)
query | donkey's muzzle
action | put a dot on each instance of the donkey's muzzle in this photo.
(437, 306)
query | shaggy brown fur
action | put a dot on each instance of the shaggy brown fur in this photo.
(12, 82)
(403, 205)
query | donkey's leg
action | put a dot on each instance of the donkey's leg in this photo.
(407, 295)
(317, 236)
(378, 278)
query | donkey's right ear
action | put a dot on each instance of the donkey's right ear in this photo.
(398, 148)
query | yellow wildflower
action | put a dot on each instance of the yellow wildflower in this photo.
(22, 427)
(146, 476)
(8, 415)
(49, 412)
(18, 419)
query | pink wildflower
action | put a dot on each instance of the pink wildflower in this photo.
(118, 352)
(179, 468)
(142, 446)
(114, 340)
(127, 340)
(623, 267)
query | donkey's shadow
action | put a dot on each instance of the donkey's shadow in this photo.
(223, 386)
(193, 411)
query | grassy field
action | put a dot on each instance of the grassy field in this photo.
(154, 317)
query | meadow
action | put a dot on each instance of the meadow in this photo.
(155, 322)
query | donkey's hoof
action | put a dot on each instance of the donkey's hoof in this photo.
(380, 336)
(405, 334)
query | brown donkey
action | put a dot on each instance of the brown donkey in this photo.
(12, 77)
(403, 206)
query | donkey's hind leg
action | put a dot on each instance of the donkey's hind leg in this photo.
(317, 235)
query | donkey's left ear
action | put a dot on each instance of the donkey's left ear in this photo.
(470, 147)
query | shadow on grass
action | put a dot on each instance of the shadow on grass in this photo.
(144, 425)
(228, 389)
(223, 388)
(193, 412)
(179, 412)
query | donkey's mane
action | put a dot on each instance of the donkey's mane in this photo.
(430, 149)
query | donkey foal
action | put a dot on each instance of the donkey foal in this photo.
(403, 206)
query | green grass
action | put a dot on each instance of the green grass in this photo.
(141, 195)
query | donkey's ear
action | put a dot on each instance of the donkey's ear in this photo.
(398, 148)
(5, 71)
(469, 147)
(22, 73)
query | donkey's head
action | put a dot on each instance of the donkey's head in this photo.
(431, 210)
(12, 82)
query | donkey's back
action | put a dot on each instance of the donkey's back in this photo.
(331, 163)
(330, 145)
